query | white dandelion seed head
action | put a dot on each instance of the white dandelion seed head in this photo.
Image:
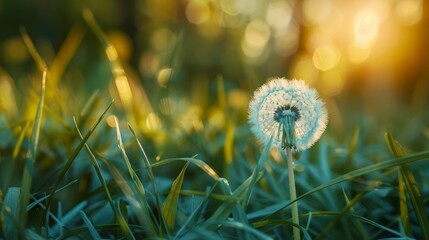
(280, 97)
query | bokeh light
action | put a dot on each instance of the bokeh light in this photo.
(162, 39)
(256, 37)
(279, 16)
(326, 57)
(358, 54)
(409, 12)
(366, 26)
(331, 83)
(304, 69)
(14, 50)
(198, 11)
(316, 11)
(163, 77)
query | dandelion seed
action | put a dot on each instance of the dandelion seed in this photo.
(288, 111)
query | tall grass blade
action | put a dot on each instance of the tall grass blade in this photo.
(353, 146)
(67, 219)
(354, 201)
(64, 56)
(86, 111)
(397, 151)
(31, 155)
(199, 163)
(247, 229)
(94, 234)
(11, 205)
(367, 221)
(121, 221)
(411, 188)
(121, 81)
(225, 209)
(40, 63)
(33, 236)
(40, 200)
(192, 219)
(254, 177)
(122, 216)
(149, 171)
(20, 140)
(237, 211)
(412, 158)
(73, 157)
(416, 200)
(138, 190)
(348, 208)
(169, 208)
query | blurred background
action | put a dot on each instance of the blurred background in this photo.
(183, 61)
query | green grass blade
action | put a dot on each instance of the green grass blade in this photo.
(247, 229)
(346, 209)
(354, 201)
(199, 163)
(11, 205)
(20, 140)
(121, 79)
(86, 111)
(412, 158)
(92, 231)
(69, 218)
(393, 145)
(237, 211)
(139, 191)
(65, 54)
(33, 236)
(122, 217)
(225, 209)
(403, 206)
(121, 221)
(192, 219)
(31, 155)
(74, 155)
(254, 177)
(96, 168)
(40, 200)
(73, 233)
(411, 188)
(416, 200)
(353, 146)
(397, 151)
(315, 215)
(148, 169)
(169, 208)
(41, 64)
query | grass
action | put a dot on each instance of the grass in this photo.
(86, 167)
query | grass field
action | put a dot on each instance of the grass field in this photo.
(112, 133)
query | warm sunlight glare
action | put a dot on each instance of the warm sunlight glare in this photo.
(409, 12)
(198, 11)
(331, 83)
(256, 36)
(278, 16)
(365, 28)
(357, 54)
(326, 57)
(124, 90)
(304, 69)
(316, 11)
(164, 77)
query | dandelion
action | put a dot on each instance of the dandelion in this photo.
(293, 116)
(289, 112)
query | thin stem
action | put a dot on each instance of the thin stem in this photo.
(292, 190)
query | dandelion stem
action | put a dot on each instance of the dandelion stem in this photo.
(292, 191)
